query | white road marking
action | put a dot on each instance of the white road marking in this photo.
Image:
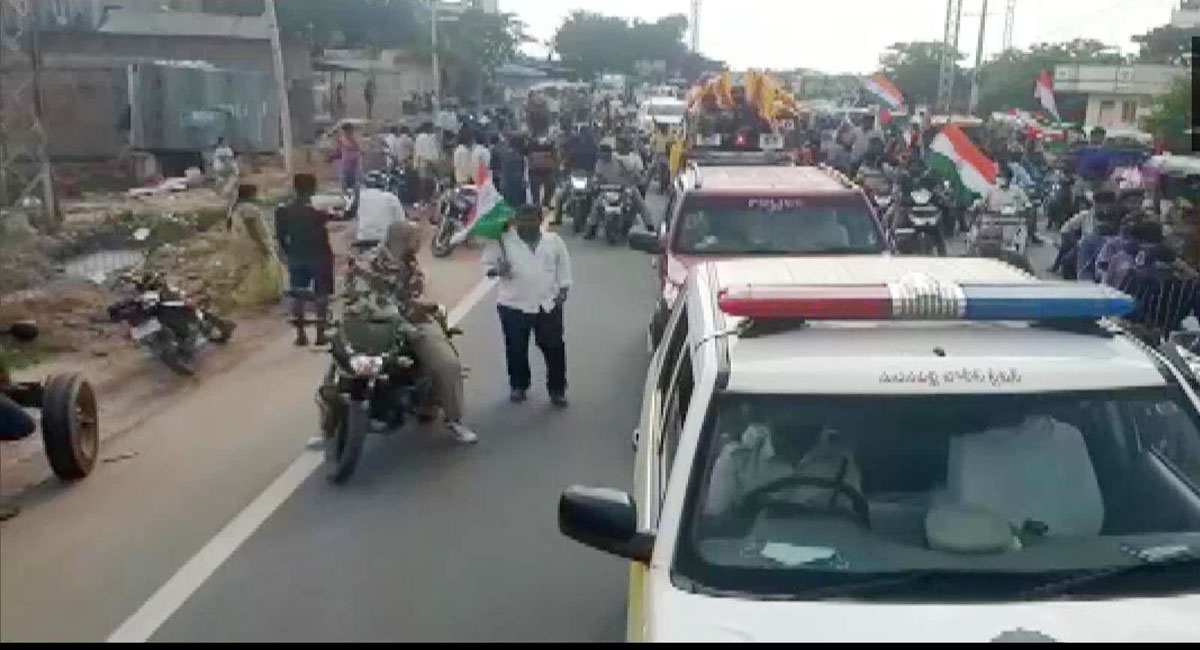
(139, 627)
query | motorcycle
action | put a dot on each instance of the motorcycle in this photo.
(374, 382)
(455, 209)
(577, 199)
(165, 321)
(917, 225)
(70, 423)
(618, 211)
(396, 178)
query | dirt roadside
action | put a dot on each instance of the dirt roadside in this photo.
(131, 387)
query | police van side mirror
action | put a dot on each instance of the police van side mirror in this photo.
(604, 519)
(645, 241)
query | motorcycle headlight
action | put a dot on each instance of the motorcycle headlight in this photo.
(578, 183)
(921, 197)
(366, 366)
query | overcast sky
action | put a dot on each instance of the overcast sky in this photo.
(849, 35)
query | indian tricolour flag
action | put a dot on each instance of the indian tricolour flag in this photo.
(490, 214)
(953, 156)
(1043, 91)
(885, 90)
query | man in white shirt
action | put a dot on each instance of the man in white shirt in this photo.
(427, 156)
(377, 209)
(404, 147)
(481, 158)
(463, 171)
(535, 274)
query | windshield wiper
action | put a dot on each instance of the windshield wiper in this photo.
(848, 589)
(1065, 585)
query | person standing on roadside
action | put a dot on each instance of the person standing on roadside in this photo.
(512, 171)
(534, 269)
(349, 156)
(541, 171)
(304, 242)
(428, 157)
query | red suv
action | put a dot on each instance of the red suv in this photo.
(725, 211)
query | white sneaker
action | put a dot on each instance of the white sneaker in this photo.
(461, 433)
(315, 443)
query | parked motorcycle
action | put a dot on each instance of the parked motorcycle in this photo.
(455, 208)
(70, 423)
(374, 382)
(165, 321)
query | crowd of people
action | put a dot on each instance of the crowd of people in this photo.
(1139, 239)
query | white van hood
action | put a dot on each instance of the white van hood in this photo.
(678, 616)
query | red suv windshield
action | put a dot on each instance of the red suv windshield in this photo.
(746, 225)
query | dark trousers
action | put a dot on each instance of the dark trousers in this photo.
(15, 423)
(547, 330)
(541, 186)
(514, 192)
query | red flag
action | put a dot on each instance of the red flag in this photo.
(885, 117)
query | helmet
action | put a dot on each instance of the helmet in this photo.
(375, 180)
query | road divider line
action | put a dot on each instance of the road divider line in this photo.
(140, 626)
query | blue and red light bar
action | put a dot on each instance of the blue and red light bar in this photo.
(1032, 301)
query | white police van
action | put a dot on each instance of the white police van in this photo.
(905, 449)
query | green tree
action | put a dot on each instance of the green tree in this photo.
(1171, 117)
(915, 68)
(366, 24)
(592, 43)
(1007, 80)
(475, 45)
(1167, 44)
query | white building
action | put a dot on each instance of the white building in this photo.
(1118, 96)
(1187, 16)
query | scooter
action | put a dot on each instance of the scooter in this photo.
(1003, 235)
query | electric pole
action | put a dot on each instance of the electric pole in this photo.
(949, 62)
(694, 37)
(978, 60)
(25, 168)
(285, 111)
(1010, 18)
(437, 74)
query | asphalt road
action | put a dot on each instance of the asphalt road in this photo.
(428, 541)
(432, 542)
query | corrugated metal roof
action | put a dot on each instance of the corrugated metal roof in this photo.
(176, 23)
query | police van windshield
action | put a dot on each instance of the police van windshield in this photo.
(775, 226)
(946, 498)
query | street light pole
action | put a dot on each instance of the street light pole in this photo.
(978, 60)
(285, 112)
(437, 75)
